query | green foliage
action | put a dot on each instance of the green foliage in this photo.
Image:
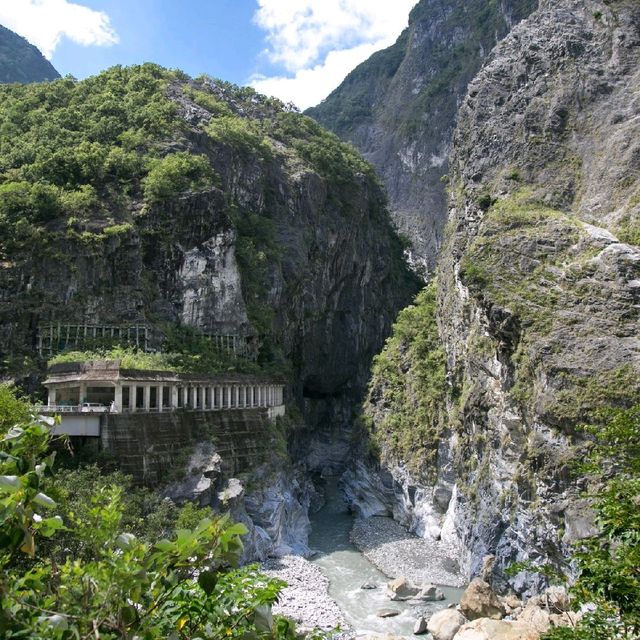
(243, 134)
(187, 351)
(13, 410)
(106, 582)
(208, 101)
(408, 387)
(609, 563)
(330, 157)
(174, 174)
(68, 148)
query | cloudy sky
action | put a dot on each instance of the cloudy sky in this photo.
(298, 50)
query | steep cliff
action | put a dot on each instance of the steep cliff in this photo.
(21, 61)
(399, 107)
(195, 209)
(538, 298)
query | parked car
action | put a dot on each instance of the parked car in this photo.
(93, 407)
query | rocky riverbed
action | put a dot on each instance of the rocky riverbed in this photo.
(396, 552)
(306, 600)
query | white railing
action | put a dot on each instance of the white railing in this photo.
(58, 408)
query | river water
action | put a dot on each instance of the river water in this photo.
(347, 570)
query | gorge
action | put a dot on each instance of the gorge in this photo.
(441, 354)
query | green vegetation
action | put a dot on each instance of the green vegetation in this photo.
(609, 579)
(76, 561)
(174, 174)
(187, 353)
(406, 395)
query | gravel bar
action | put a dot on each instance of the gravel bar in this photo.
(396, 552)
(306, 600)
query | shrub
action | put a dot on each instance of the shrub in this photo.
(175, 174)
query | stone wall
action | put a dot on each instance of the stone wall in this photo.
(154, 448)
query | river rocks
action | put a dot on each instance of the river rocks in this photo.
(395, 551)
(487, 629)
(430, 593)
(536, 618)
(402, 589)
(479, 601)
(420, 626)
(387, 613)
(443, 625)
(369, 585)
(306, 599)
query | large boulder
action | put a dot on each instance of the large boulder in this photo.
(420, 626)
(479, 601)
(402, 589)
(536, 618)
(487, 629)
(430, 593)
(444, 624)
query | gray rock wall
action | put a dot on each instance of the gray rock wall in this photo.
(399, 108)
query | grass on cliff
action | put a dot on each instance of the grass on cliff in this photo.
(406, 395)
(201, 359)
(531, 263)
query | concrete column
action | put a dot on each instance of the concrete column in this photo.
(212, 397)
(117, 398)
(146, 402)
(185, 396)
(83, 392)
(193, 398)
(160, 396)
(247, 396)
(257, 391)
(52, 396)
(173, 396)
(133, 392)
(218, 397)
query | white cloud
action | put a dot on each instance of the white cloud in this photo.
(309, 86)
(45, 22)
(319, 41)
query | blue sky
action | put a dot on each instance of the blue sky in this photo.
(298, 50)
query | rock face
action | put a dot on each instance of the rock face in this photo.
(538, 295)
(399, 107)
(21, 61)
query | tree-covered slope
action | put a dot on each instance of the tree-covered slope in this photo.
(538, 299)
(21, 61)
(194, 208)
(399, 107)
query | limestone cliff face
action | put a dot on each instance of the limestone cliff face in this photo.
(399, 107)
(21, 61)
(538, 291)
